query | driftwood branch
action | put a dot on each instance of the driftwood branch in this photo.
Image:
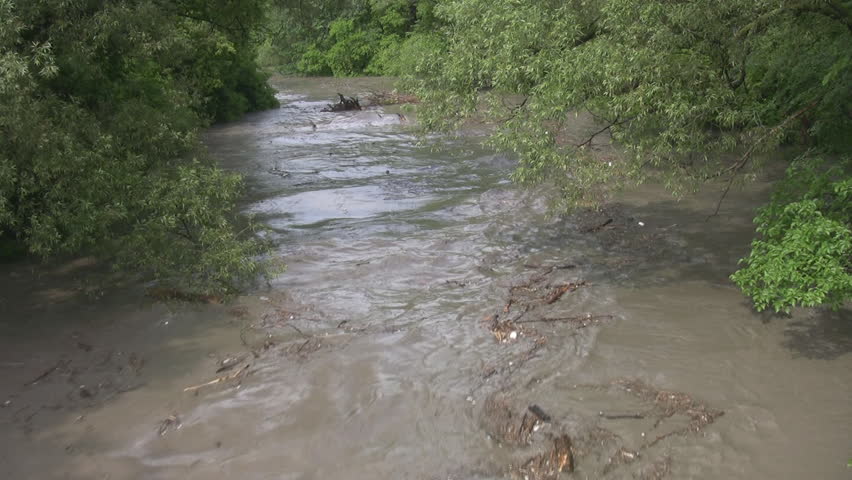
(221, 379)
(345, 104)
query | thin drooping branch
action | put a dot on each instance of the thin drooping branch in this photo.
(741, 163)
(187, 232)
(513, 110)
(614, 123)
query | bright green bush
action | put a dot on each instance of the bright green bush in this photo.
(803, 255)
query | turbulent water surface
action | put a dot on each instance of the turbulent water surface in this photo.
(380, 353)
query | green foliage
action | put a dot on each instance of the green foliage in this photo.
(100, 104)
(188, 234)
(804, 254)
(292, 30)
(361, 37)
(313, 62)
(384, 60)
(417, 54)
(803, 56)
(351, 47)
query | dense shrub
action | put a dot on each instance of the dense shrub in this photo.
(100, 104)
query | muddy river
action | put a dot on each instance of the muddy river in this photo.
(434, 323)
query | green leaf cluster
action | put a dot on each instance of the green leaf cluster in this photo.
(804, 253)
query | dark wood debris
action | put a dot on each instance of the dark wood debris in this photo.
(345, 104)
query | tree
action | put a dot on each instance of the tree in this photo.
(343, 37)
(691, 90)
(100, 104)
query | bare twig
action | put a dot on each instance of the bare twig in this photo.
(614, 123)
(47, 372)
(221, 379)
(302, 346)
(622, 416)
(300, 332)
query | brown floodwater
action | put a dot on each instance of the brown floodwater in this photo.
(376, 354)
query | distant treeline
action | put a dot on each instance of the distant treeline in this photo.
(347, 37)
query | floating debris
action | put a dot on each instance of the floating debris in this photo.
(504, 425)
(345, 104)
(172, 422)
(667, 403)
(557, 292)
(548, 466)
(538, 412)
(658, 470)
(622, 456)
(228, 363)
(239, 373)
(503, 330)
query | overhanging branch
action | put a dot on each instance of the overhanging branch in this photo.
(735, 169)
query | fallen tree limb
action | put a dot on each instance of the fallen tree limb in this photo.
(345, 104)
(221, 379)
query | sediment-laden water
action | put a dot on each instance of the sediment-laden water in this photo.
(428, 304)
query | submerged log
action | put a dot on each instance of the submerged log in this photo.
(345, 104)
